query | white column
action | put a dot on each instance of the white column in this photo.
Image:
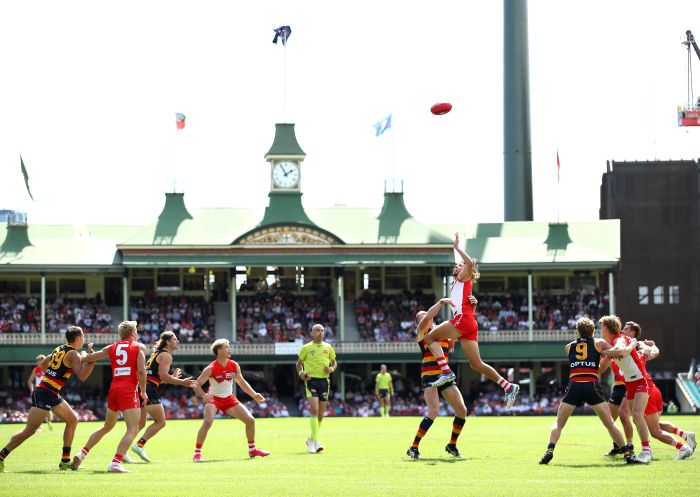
(611, 292)
(232, 291)
(530, 324)
(125, 296)
(43, 308)
(341, 309)
(341, 385)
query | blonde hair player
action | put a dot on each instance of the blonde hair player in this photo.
(463, 326)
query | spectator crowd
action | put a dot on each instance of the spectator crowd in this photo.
(281, 316)
(191, 318)
(23, 315)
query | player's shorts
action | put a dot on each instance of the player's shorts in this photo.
(635, 387)
(318, 387)
(467, 326)
(223, 404)
(583, 392)
(123, 398)
(43, 399)
(617, 395)
(427, 380)
(152, 392)
(383, 392)
(655, 403)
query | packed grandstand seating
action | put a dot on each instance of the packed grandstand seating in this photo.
(389, 317)
(192, 318)
(281, 316)
(550, 312)
(23, 315)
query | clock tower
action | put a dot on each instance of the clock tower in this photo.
(285, 221)
(285, 157)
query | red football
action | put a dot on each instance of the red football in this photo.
(441, 108)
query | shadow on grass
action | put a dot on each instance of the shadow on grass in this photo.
(434, 460)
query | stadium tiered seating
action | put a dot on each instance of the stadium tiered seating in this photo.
(23, 315)
(282, 316)
(191, 318)
(550, 312)
(389, 317)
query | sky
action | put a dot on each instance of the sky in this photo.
(89, 90)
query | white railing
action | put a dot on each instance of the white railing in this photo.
(273, 349)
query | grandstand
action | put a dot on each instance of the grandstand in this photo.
(262, 278)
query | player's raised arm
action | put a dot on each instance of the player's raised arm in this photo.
(245, 386)
(467, 269)
(165, 361)
(426, 320)
(74, 359)
(619, 348)
(650, 352)
(96, 356)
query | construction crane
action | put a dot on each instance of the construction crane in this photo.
(689, 115)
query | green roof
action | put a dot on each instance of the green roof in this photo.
(202, 237)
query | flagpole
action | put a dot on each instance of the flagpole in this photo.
(393, 158)
(175, 159)
(284, 89)
(558, 172)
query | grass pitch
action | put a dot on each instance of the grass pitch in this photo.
(362, 457)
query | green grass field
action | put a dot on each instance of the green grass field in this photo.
(362, 457)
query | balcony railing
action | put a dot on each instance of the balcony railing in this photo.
(508, 336)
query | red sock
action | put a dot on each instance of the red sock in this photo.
(678, 431)
(198, 448)
(443, 366)
(503, 383)
(679, 445)
(117, 458)
(251, 445)
(645, 446)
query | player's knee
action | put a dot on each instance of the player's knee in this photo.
(476, 365)
(433, 413)
(461, 412)
(71, 421)
(161, 423)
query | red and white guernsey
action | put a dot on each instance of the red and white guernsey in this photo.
(631, 366)
(459, 296)
(38, 375)
(222, 377)
(122, 357)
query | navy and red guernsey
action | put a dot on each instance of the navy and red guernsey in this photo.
(584, 360)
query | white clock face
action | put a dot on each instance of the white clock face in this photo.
(285, 174)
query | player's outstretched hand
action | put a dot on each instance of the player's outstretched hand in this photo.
(208, 398)
(90, 349)
(456, 242)
(445, 300)
(189, 382)
(177, 373)
(258, 397)
(305, 377)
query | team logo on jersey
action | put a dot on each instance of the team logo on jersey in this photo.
(325, 351)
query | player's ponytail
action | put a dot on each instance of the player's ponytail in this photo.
(164, 337)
